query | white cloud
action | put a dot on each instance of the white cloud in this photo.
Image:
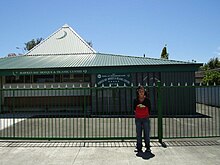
(217, 52)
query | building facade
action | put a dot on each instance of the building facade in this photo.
(65, 61)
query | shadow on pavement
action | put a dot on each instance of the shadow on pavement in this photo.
(110, 144)
(145, 155)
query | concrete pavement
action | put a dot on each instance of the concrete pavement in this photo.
(181, 152)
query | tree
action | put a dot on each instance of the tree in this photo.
(211, 72)
(211, 77)
(212, 64)
(89, 43)
(30, 44)
(164, 53)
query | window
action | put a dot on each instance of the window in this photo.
(43, 78)
(27, 79)
(14, 79)
(87, 78)
(57, 78)
(76, 78)
(49, 78)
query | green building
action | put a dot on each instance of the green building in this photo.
(64, 61)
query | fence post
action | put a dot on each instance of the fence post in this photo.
(160, 115)
(85, 110)
(0, 98)
(1, 88)
(13, 112)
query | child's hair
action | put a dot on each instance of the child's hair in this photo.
(145, 91)
(138, 88)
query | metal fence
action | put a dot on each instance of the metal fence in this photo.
(201, 117)
(107, 112)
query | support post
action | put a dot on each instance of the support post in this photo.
(160, 115)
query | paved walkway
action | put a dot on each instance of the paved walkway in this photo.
(181, 151)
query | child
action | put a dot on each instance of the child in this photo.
(142, 107)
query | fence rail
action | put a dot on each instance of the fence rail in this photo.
(107, 112)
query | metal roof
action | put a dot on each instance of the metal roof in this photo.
(64, 41)
(66, 49)
(80, 60)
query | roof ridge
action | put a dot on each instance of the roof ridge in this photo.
(159, 59)
(65, 25)
(59, 54)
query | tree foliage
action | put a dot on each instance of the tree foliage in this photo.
(89, 43)
(211, 72)
(211, 77)
(30, 44)
(213, 63)
(164, 53)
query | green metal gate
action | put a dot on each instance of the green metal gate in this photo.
(69, 113)
(190, 111)
(107, 112)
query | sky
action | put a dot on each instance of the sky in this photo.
(189, 28)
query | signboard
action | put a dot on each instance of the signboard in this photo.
(48, 72)
(113, 79)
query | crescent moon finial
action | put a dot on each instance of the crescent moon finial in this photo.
(64, 35)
